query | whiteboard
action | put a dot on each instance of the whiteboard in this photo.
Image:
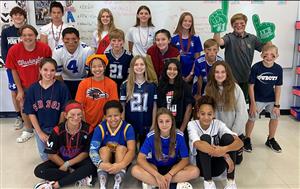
(165, 14)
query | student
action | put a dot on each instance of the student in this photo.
(71, 57)
(44, 103)
(118, 58)
(264, 90)
(113, 145)
(100, 41)
(9, 37)
(51, 33)
(239, 50)
(230, 101)
(138, 97)
(188, 44)
(23, 59)
(94, 91)
(213, 146)
(67, 149)
(163, 159)
(141, 35)
(161, 50)
(203, 65)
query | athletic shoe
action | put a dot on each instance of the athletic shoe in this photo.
(87, 181)
(272, 143)
(102, 176)
(118, 180)
(18, 123)
(230, 185)
(147, 186)
(247, 145)
(44, 185)
(25, 136)
(184, 185)
(209, 185)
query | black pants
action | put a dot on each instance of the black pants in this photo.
(214, 166)
(49, 171)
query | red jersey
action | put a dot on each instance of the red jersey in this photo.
(103, 44)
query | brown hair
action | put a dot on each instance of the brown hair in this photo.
(209, 43)
(267, 47)
(117, 34)
(100, 27)
(29, 27)
(208, 100)
(17, 10)
(143, 7)
(238, 16)
(179, 25)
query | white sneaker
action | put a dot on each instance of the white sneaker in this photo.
(118, 180)
(87, 181)
(44, 185)
(102, 180)
(184, 185)
(24, 136)
(209, 185)
(147, 186)
(18, 123)
(230, 185)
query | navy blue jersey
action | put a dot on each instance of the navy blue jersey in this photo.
(181, 150)
(138, 111)
(264, 80)
(46, 104)
(9, 37)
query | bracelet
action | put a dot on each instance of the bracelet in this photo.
(170, 174)
(66, 164)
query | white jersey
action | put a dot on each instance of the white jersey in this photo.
(56, 33)
(142, 39)
(72, 66)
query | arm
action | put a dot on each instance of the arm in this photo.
(277, 99)
(252, 109)
(20, 92)
(78, 158)
(218, 38)
(203, 147)
(153, 115)
(199, 88)
(43, 136)
(186, 117)
(61, 117)
(130, 46)
(179, 166)
(128, 158)
(4, 45)
(95, 147)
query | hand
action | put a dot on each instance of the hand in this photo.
(218, 19)
(252, 109)
(105, 166)
(265, 31)
(114, 168)
(63, 168)
(20, 96)
(276, 111)
(218, 151)
(188, 78)
(43, 136)
(229, 162)
(161, 181)
(168, 178)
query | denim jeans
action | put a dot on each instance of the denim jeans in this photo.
(41, 144)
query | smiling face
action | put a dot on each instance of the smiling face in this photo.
(18, 19)
(205, 115)
(187, 22)
(143, 15)
(239, 26)
(48, 72)
(105, 19)
(71, 42)
(28, 37)
(139, 67)
(162, 41)
(97, 68)
(172, 72)
(220, 74)
(269, 56)
(74, 116)
(164, 122)
(113, 117)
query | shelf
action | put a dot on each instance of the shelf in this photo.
(295, 112)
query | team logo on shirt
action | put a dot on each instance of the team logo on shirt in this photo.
(267, 76)
(96, 93)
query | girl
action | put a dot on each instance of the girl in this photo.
(231, 105)
(212, 144)
(44, 102)
(94, 91)
(138, 97)
(188, 44)
(113, 137)
(67, 148)
(161, 50)
(141, 35)
(163, 158)
(100, 40)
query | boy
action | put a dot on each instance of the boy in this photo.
(118, 58)
(203, 65)
(71, 57)
(264, 90)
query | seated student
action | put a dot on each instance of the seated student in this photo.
(67, 149)
(213, 146)
(113, 145)
(163, 158)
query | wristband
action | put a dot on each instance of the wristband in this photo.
(66, 164)
(276, 105)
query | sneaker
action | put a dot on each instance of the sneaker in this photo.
(102, 176)
(230, 185)
(147, 186)
(87, 181)
(44, 185)
(24, 136)
(209, 185)
(184, 185)
(247, 145)
(272, 143)
(18, 123)
(118, 180)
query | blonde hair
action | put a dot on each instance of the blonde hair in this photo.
(267, 47)
(117, 34)
(179, 25)
(209, 43)
(238, 16)
(100, 25)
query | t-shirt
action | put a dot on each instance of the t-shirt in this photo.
(9, 37)
(27, 63)
(187, 56)
(181, 150)
(264, 80)
(93, 95)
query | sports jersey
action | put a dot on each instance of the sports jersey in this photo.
(9, 37)
(117, 68)
(264, 80)
(187, 54)
(27, 63)
(201, 70)
(138, 111)
(104, 136)
(181, 150)
(68, 146)
(46, 104)
(72, 66)
(93, 95)
(142, 39)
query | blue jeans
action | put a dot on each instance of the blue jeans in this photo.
(41, 144)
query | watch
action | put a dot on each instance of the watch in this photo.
(276, 105)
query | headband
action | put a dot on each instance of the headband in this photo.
(72, 106)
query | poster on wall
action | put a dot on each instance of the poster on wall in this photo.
(42, 12)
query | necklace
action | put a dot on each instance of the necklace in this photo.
(48, 102)
(56, 39)
(144, 45)
(70, 139)
(182, 46)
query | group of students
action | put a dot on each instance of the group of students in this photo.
(144, 96)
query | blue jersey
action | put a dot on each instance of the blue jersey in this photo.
(201, 70)
(264, 80)
(187, 56)
(138, 111)
(117, 68)
(9, 37)
(46, 104)
(181, 150)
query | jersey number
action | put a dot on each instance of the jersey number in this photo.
(139, 102)
(73, 66)
(116, 71)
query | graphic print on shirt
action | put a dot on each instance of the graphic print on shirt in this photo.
(96, 93)
(170, 106)
(267, 77)
(139, 102)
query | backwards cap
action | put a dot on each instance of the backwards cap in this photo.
(93, 56)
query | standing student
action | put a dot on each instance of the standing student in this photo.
(9, 37)
(23, 59)
(213, 146)
(163, 159)
(44, 103)
(141, 35)
(264, 89)
(94, 91)
(161, 50)
(138, 97)
(230, 101)
(188, 44)
(113, 145)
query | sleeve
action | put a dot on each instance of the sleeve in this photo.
(4, 45)
(183, 150)
(95, 145)
(173, 41)
(146, 147)
(10, 60)
(226, 39)
(193, 137)
(52, 144)
(94, 43)
(252, 76)
(280, 76)
(257, 44)
(56, 57)
(129, 133)
(198, 44)
(123, 92)
(223, 129)
(129, 35)
(29, 101)
(43, 30)
(197, 68)
(81, 92)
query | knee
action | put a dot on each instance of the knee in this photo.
(194, 172)
(38, 171)
(206, 138)
(136, 170)
(226, 139)
(120, 149)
